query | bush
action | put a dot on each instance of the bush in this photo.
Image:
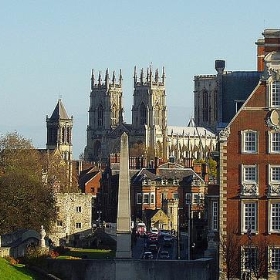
(61, 250)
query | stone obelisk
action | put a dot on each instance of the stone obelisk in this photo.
(124, 207)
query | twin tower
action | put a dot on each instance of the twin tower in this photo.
(146, 133)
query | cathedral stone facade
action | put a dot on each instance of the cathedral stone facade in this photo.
(149, 135)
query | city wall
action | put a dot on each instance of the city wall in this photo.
(129, 269)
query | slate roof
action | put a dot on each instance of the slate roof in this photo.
(59, 112)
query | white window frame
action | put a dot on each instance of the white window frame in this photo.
(215, 215)
(79, 209)
(146, 196)
(274, 174)
(274, 94)
(245, 257)
(274, 259)
(249, 143)
(272, 142)
(245, 174)
(274, 216)
(248, 218)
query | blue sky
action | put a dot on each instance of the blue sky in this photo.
(48, 49)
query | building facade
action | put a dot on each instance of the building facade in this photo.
(250, 176)
(74, 221)
(149, 135)
(218, 97)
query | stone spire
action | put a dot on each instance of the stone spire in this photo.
(124, 211)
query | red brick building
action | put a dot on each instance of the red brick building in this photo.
(250, 175)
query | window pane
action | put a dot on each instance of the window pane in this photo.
(275, 94)
(250, 258)
(275, 142)
(215, 215)
(275, 259)
(250, 142)
(275, 216)
(250, 216)
(250, 173)
(275, 173)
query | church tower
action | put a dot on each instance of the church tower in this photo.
(59, 131)
(149, 113)
(105, 114)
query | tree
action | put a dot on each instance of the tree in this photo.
(25, 201)
(231, 252)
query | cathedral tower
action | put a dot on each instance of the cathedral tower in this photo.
(105, 113)
(149, 114)
(59, 131)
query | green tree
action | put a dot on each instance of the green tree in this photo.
(25, 201)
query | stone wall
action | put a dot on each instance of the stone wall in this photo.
(74, 219)
(129, 269)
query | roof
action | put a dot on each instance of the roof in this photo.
(192, 131)
(59, 112)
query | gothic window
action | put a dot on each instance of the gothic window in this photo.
(114, 115)
(249, 143)
(100, 116)
(205, 106)
(156, 112)
(68, 135)
(63, 135)
(143, 114)
(274, 94)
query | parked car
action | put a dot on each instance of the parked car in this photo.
(153, 248)
(147, 255)
(154, 230)
(164, 255)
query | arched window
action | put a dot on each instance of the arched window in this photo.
(143, 114)
(100, 116)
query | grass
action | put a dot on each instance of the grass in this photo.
(87, 254)
(15, 272)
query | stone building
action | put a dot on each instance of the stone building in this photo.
(218, 97)
(149, 135)
(74, 221)
(250, 175)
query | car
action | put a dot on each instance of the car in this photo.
(168, 237)
(164, 255)
(154, 230)
(153, 248)
(147, 255)
(164, 232)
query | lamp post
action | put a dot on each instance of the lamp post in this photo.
(99, 212)
(189, 202)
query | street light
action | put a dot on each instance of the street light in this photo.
(99, 212)
(189, 203)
